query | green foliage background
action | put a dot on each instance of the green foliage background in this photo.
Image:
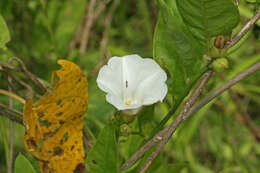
(212, 141)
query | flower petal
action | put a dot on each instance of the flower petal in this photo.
(132, 81)
(119, 104)
(110, 77)
(153, 89)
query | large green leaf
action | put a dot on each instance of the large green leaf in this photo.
(23, 165)
(208, 18)
(178, 49)
(4, 33)
(103, 156)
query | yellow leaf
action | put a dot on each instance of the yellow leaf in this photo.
(54, 125)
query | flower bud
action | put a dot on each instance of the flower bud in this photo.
(127, 118)
(220, 42)
(125, 130)
(220, 64)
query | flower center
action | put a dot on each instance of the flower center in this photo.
(128, 102)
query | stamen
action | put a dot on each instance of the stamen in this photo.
(126, 83)
(128, 102)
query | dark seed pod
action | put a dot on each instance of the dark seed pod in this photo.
(220, 42)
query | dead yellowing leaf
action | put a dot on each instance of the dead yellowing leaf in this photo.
(54, 125)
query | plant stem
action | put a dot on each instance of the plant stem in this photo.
(11, 152)
(244, 30)
(173, 126)
(11, 117)
(223, 88)
(159, 137)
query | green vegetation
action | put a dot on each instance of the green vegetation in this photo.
(222, 137)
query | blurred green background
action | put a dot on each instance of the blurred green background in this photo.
(223, 137)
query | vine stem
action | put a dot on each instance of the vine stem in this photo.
(11, 153)
(244, 30)
(11, 117)
(173, 126)
(161, 135)
(10, 94)
(223, 88)
(188, 113)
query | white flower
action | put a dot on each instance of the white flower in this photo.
(131, 82)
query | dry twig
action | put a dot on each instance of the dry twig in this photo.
(82, 28)
(188, 113)
(11, 153)
(244, 30)
(87, 27)
(7, 93)
(161, 135)
(108, 19)
(247, 121)
(34, 78)
(223, 88)
(241, 119)
(13, 111)
(11, 116)
(173, 126)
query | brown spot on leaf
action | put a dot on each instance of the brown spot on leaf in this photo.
(79, 168)
(94, 162)
(40, 114)
(61, 122)
(59, 113)
(47, 135)
(72, 147)
(58, 151)
(31, 143)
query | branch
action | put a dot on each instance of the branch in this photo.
(159, 137)
(173, 126)
(8, 66)
(223, 88)
(34, 78)
(244, 119)
(11, 117)
(187, 113)
(18, 98)
(11, 130)
(87, 26)
(13, 111)
(244, 30)
(105, 36)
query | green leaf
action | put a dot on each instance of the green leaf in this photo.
(144, 125)
(103, 156)
(177, 48)
(209, 18)
(4, 33)
(23, 165)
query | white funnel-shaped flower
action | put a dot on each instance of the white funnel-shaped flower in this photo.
(131, 82)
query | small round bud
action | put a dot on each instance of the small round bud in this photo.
(128, 118)
(125, 130)
(214, 52)
(220, 64)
